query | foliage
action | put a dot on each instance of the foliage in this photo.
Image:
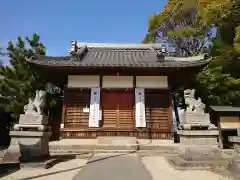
(221, 77)
(20, 81)
(218, 85)
(188, 26)
(237, 39)
(2, 54)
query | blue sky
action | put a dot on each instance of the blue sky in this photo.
(60, 21)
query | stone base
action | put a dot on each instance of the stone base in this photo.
(198, 157)
(29, 145)
(196, 117)
(182, 164)
(18, 127)
(198, 137)
(234, 165)
(117, 140)
(33, 119)
(197, 126)
(199, 153)
(236, 142)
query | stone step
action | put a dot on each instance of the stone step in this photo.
(157, 147)
(77, 151)
(116, 140)
(112, 148)
(131, 147)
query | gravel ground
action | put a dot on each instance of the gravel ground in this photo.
(62, 171)
(113, 167)
(159, 167)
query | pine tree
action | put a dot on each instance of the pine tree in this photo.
(19, 80)
(2, 54)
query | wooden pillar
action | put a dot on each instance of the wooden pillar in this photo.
(63, 109)
(170, 111)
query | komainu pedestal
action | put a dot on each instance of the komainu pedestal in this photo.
(195, 127)
(234, 165)
(199, 153)
(30, 138)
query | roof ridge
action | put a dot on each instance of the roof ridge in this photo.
(127, 45)
(77, 45)
(116, 45)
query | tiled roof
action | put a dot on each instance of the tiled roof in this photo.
(103, 55)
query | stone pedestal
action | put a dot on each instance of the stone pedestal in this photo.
(30, 144)
(236, 142)
(197, 157)
(198, 137)
(199, 153)
(113, 140)
(195, 129)
(33, 119)
(234, 165)
(30, 138)
(195, 120)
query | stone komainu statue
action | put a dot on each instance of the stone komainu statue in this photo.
(193, 104)
(37, 105)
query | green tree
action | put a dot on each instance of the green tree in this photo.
(19, 81)
(219, 81)
(186, 24)
(2, 54)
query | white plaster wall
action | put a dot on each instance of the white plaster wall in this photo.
(151, 82)
(117, 81)
(83, 81)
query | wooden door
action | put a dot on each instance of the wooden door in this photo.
(117, 109)
(125, 110)
(109, 109)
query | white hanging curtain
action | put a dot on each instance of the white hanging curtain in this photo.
(140, 107)
(94, 114)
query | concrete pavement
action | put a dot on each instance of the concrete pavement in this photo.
(62, 171)
(114, 167)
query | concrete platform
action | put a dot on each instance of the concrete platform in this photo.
(68, 142)
(112, 144)
(117, 140)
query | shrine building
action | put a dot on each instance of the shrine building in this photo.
(117, 89)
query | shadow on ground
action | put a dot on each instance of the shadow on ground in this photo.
(64, 159)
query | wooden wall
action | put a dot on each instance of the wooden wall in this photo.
(118, 114)
(158, 114)
(118, 109)
(75, 100)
